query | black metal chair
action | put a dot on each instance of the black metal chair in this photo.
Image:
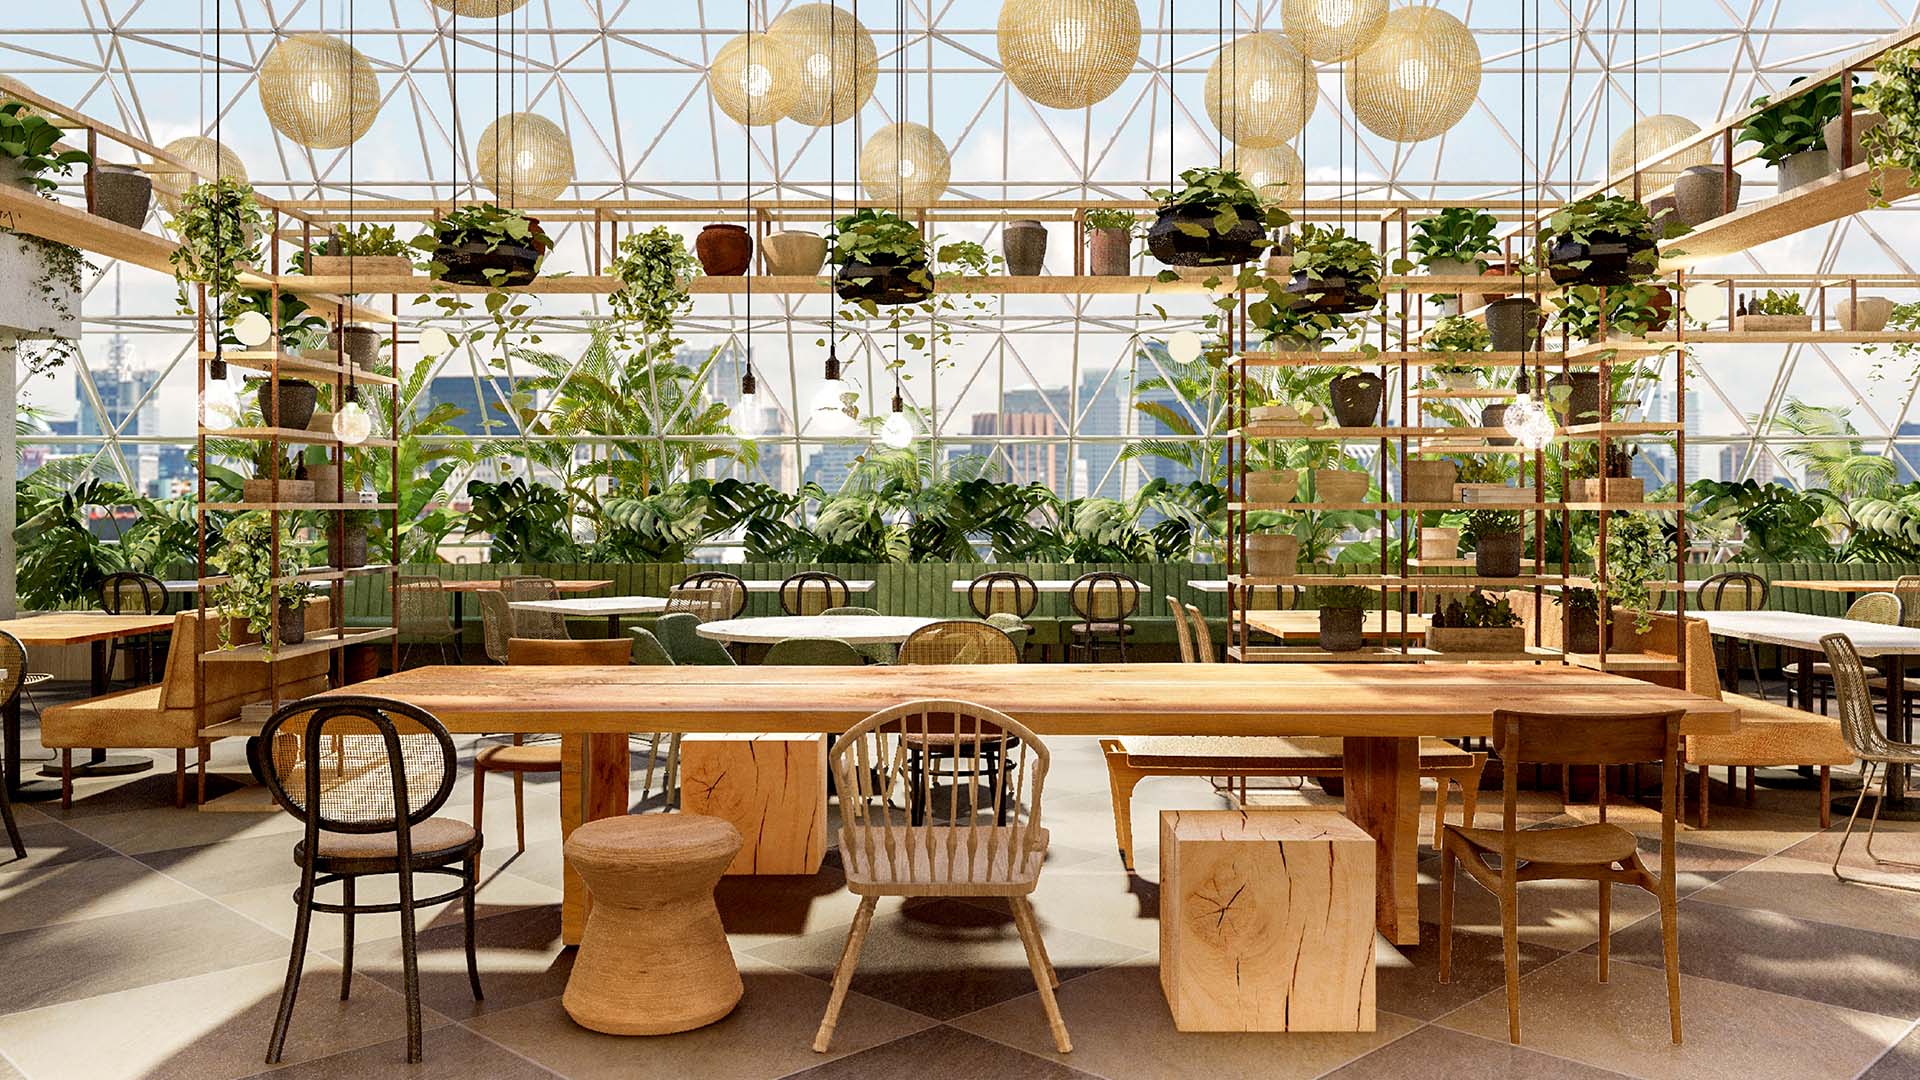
(1003, 592)
(811, 592)
(365, 775)
(1748, 593)
(726, 588)
(130, 592)
(1103, 601)
(13, 659)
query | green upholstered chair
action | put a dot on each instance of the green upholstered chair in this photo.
(677, 632)
(1015, 627)
(809, 650)
(880, 653)
(647, 649)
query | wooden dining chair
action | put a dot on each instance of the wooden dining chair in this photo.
(1102, 602)
(1003, 592)
(703, 602)
(13, 674)
(1880, 608)
(1602, 853)
(986, 843)
(1736, 590)
(518, 757)
(1202, 637)
(729, 591)
(811, 592)
(365, 776)
(131, 592)
(1182, 633)
(954, 641)
(547, 625)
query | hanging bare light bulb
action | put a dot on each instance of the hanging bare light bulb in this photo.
(352, 423)
(1184, 347)
(897, 432)
(749, 415)
(827, 410)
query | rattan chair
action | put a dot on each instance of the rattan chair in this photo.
(1736, 590)
(1003, 592)
(13, 674)
(496, 624)
(1602, 853)
(1102, 601)
(1015, 628)
(543, 625)
(1880, 608)
(959, 641)
(879, 652)
(680, 635)
(648, 652)
(1202, 636)
(1861, 730)
(130, 592)
(730, 591)
(519, 758)
(703, 603)
(426, 617)
(988, 843)
(365, 776)
(804, 651)
(811, 592)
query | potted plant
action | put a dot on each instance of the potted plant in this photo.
(29, 150)
(1334, 272)
(347, 541)
(1579, 620)
(1704, 192)
(1457, 334)
(724, 249)
(1273, 549)
(1215, 219)
(1355, 397)
(270, 467)
(1792, 135)
(1864, 315)
(246, 592)
(484, 244)
(218, 228)
(655, 269)
(1600, 240)
(294, 327)
(1637, 552)
(793, 253)
(1894, 143)
(1343, 609)
(882, 258)
(1340, 487)
(1496, 539)
(1476, 624)
(1023, 244)
(1631, 312)
(1110, 242)
(355, 252)
(1617, 484)
(1455, 243)
(1513, 324)
(1774, 312)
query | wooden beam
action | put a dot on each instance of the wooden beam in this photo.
(1825, 200)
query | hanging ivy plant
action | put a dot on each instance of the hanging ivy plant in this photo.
(1637, 552)
(218, 226)
(654, 268)
(245, 558)
(1895, 94)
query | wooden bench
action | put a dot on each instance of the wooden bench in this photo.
(163, 714)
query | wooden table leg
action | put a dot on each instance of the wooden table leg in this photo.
(593, 785)
(1383, 797)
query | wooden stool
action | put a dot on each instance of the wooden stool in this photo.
(1266, 920)
(653, 958)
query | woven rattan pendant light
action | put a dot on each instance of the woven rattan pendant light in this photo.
(203, 156)
(525, 157)
(838, 62)
(756, 78)
(1418, 78)
(1068, 54)
(319, 91)
(1332, 30)
(1274, 171)
(1259, 91)
(480, 9)
(905, 164)
(1647, 139)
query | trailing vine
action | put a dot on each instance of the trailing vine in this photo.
(246, 560)
(58, 284)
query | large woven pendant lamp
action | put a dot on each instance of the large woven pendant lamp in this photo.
(906, 164)
(1068, 54)
(525, 157)
(1418, 78)
(1646, 139)
(1274, 171)
(756, 78)
(1332, 30)
(319, 91)
(203, 156)
(480, 9)
(838, 62)
(1260, 90)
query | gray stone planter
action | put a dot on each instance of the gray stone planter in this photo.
(1497, 555)
(1508, 321)
(1802, 168)
(363, 345)
(27, 309)
(1340, 629)
(1024, 243)
(1356, 399)
(1863, 119)
(122, 194)
(1699, 194)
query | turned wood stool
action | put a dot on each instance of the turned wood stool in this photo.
(653, 958)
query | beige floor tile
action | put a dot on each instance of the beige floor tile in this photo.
(1121, 1029)
(1562, 915)
(448, 1052)
(962, 1056)
(164, 828)
(209, 1027)
(1808, 890)
(83, 890)
(770, 1034)
(273, 906)
(1730, 1031)
(1437, 1051)
(1737, 828)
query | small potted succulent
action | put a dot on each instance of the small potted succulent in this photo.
(1496, 539)
(1600, 240)
(1110, 242)
(1476, 624)
(1579, 620)
(882, 258)
(1334, 272)
(1343, 610)
(484, 244)
(1774, 312)
(357, 251)
(1215, 219)
(1792, 135)
(1455, 243)
(1457, 334)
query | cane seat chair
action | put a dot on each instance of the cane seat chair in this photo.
(1003, 592)
(811, 592)
(496, 624)
(879, 652)
(1202, 636)
(1880, 608)
(365, 776)
(426, 617)
(953, 641)
(730, 591)
(649, 652)
(1877, 753)
(1736, 590)
(1102, 602)
(130, 592)
(987, 843)
(519, 757)
(703, 602)
(1602, 853)
(13, 677)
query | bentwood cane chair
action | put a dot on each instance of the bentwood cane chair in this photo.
(811, 592)
(991, 842)
(13, 675)
(1877, 753)
(365, 776)
(729, 590)
(1003, 592)
(519, 758)
(1737, 590)
(1102, 602)
(426, 617)
(1602, 853)
(879, 652)
(547, 625)
(130, 592)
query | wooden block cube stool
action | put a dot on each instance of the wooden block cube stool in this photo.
(1266, 920)
(653, 957)
(773, 787)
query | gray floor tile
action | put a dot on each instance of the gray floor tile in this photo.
(74, 960)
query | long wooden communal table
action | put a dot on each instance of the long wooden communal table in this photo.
(1381, 715)
(95, 629)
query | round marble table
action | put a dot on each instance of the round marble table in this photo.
(852, 629)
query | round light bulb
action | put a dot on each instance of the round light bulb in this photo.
(435, 341)
(252, 329)
(1706, 303)
(352, 423)
(1519, 415)
(897, 432)
(827, 409)
(748, 415)
(1184, 347)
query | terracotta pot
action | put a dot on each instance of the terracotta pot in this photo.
(1340, 486)
(1340, 629)
(1700, 194)
(1276, 486)
(1439, 542)
(1110, 252)
(362, 662)
(295, 403)
(1508, 322)
(1498, 269)
(122, 194)
(1863, 120)
(1865, 315)
(290, 624)
(1429, 481)
(1356, 399)
(1273, 554)
(724, 250)
(1802, 168)
(1497, 555)
(1024, 243)
(793, 254)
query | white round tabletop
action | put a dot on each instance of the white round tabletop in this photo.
(852, 629)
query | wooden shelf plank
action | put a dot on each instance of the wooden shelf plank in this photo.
(1790, 337)
(298, 367)
(317, 641)
(299, 506)
(25, 212)
(1610, 506)
(1612, 428)
(1592, 352)
(1510, 284)
(1827, 199)
(296, 435)
(1621, 661)
(1447, 393)
(763, 285)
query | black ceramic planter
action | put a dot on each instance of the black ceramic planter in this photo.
(1580, 404)
(292, 407)
(1495, 416)
(1356, 399)
(1332, 295)
(468, 264)
(291, 625)
(1497, 555)
(1165, 240)
(1604, 260)
(1340, 629)
(883, 283)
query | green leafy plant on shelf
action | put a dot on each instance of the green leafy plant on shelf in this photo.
(1479, 523)
(924, 327)
(1457, 234)
(245, 560)
(654, 269)
(1904, 319)
(29, 143)
(1772, 302)
(295, 325)
(1607, 219)
(1476, 612)
(1327, 251)
(1633, 310)
(1894, 93)
(1458, 334)
(484, 224)
(1338, 597)
(1109, 218)
(1224, 195)
(1638, 551)
(354, 241)
(218, 227)
(1794, 126)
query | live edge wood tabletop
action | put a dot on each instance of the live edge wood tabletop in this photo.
(1381, 715)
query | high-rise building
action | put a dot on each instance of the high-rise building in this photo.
(1733, 461)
